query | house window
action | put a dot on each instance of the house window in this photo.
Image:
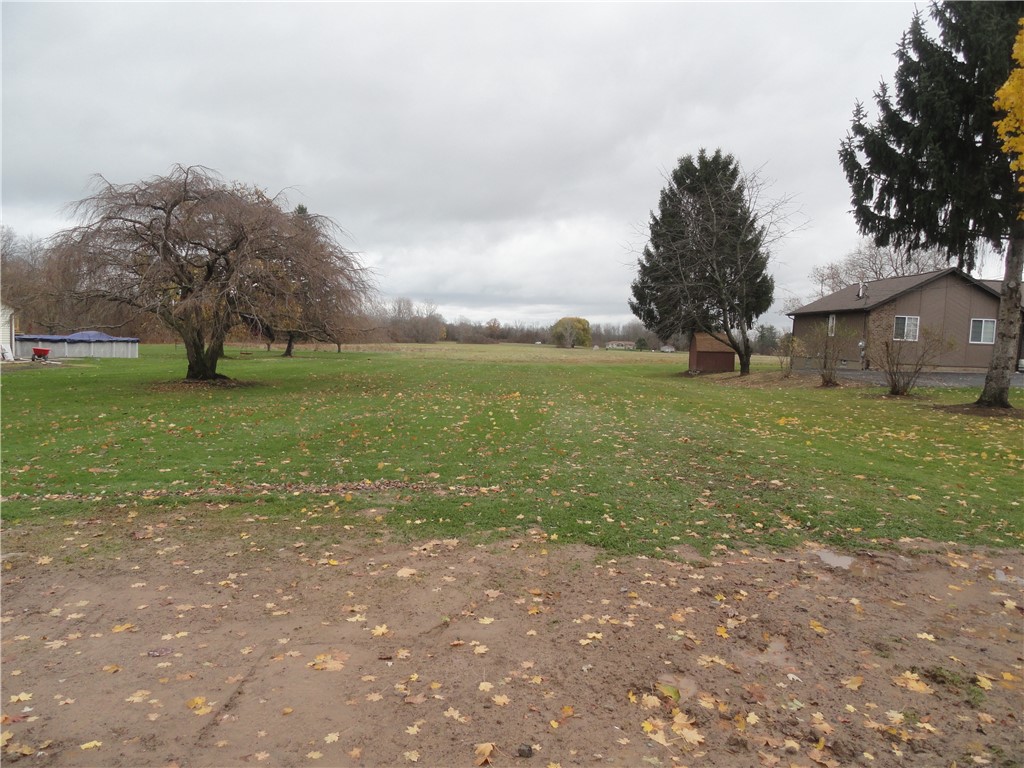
(905, 328)
(831, 325)
(983, 331)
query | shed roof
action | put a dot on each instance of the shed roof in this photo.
(80, 337)
(705, 342)
(861, 297)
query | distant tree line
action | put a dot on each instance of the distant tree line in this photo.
(405, 321)
(46, 283)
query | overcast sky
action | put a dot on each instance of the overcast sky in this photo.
(497, 160)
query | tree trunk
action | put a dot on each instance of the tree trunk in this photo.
(996, 393)
(202, 359)
(289, 346)
(744, 349)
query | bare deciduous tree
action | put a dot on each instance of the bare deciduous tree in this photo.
(872, 262)
(788, 348)
(826, 347)
(412, 323)
(901, 360)
(903, 363)
(203, 255)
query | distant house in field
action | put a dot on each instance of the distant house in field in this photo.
(947, 304)
(709, 355)
(620, 345)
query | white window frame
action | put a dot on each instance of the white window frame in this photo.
(986, 322)
(831, 325)
(911, 327)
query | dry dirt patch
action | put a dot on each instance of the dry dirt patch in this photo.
(202, 651)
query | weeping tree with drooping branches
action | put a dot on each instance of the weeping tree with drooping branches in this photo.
(204, 255)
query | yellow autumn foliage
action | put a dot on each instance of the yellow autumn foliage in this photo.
(1010, 100)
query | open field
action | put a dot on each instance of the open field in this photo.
(507, 556)
(613, 449)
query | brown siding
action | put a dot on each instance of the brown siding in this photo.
(713, 362)
(946, 308)
(850, 329)
(709, 355)
(980, 306)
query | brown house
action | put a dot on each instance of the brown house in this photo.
(709, 355)
(948, 304)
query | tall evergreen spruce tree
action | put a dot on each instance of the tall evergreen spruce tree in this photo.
(705, 266)
(929, 171)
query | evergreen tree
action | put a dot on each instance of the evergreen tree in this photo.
(928, 172)
(705, 267)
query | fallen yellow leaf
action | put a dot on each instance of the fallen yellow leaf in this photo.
(853, 683)
(912, 682)
(483, 753)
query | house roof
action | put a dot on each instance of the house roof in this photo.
(861, 297)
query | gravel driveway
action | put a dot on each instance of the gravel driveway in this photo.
(933, 379)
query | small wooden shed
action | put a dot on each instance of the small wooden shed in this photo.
(709, 355)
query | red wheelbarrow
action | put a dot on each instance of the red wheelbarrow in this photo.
(40, 353)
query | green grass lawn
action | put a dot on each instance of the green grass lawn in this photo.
(615, 449)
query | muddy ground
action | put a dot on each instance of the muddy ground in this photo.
(172, 642)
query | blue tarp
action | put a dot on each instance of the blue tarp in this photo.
(81, 336)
